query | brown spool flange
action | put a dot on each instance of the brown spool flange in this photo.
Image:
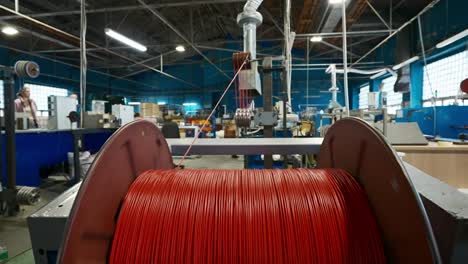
(353, 145)
(131, 150)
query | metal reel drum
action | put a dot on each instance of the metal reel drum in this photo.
(353, 145)
(133, 149)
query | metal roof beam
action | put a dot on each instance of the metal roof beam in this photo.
(126, 8)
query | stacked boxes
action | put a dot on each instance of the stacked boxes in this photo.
(150, 110)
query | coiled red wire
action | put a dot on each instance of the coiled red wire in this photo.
(246, 216)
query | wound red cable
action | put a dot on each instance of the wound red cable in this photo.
(246, 216)
(211, 114)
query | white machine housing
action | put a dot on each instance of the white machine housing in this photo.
(373, 100)
(59, 110)
(123, 113)
(98, 106)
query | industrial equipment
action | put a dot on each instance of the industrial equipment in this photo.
(10, 75)
(123, 113)
(408, 236)
(22, 121)
(97, 120)
(98, 106)
(60, 109)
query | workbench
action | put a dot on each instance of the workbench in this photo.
(448, 162)
(38, 150)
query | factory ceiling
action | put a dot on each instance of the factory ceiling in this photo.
(207, 24)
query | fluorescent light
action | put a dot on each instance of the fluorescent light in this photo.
(335, 2)
(189, 104)
(316, 39)
(180, 48)
(119, 37)
(403, 64)
(379, 74)
(452, 39)
(161, 103)
(134, 103)
(10, 31)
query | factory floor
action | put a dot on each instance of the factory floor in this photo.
(14, 233)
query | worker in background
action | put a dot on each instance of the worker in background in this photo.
(25, 104)
(75, 96)
(74, 116)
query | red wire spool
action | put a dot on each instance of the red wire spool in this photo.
(246, 216)
(350, 145)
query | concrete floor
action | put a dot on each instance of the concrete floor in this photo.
(14, 233)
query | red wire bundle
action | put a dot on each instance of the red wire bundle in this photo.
(246, 216)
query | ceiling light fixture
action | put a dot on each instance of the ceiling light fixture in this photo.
(189, 104)
(452, 39)
(9, 30)
(161, 103)
(406, 62)
(119, 37)
(180, 48)
(134, 103)
(316, 39)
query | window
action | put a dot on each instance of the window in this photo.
(40, 93)
(442, 79)
(364, 97)
(394, 100)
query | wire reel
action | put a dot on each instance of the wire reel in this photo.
(27, 69)
(139, 146)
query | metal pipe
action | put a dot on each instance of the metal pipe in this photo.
(9, 113)
(345, 57)
(77, 40)
(169, 24)
(159, 45)
(334, 88)
(378, 15)
(17, 5)
(152, 89)
(83, 61)
(252, 5)
(340, 34)
(287, 47)
(328, 64)
(161, 63)
(272, 19)
(307, 73)
(268, 104)
(250, 39)
(126, 8)
(337, 48)
(429, 6)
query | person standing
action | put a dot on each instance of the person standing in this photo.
(25, 104)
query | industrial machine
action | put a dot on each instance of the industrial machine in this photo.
(401, 215)
(98, 106)
(123, 113)
(99, 120)
(22, 121)
(22, 69)
(60, 108)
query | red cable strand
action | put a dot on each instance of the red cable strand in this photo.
(246, 216)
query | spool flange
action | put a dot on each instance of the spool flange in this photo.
(353, 145)
(136, 147)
